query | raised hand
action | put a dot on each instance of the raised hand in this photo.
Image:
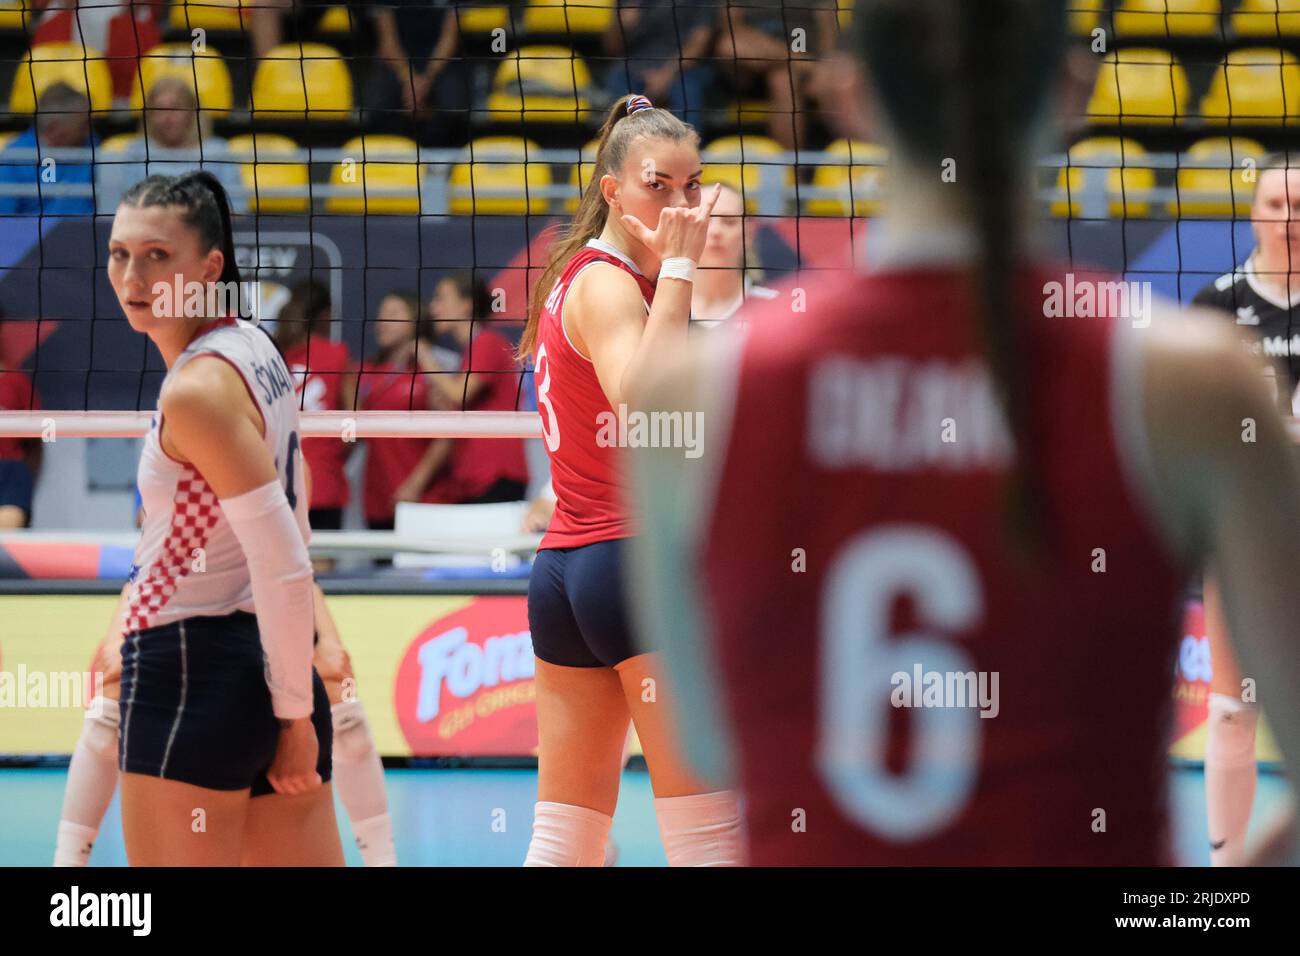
(681, 232)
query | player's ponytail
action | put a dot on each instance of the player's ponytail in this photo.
(205, 207)
(980, 107)
(630, 116)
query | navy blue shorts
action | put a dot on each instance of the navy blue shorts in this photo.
(196, 708)
(16, 484)
(576, 609)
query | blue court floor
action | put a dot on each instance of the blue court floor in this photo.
(482, 817)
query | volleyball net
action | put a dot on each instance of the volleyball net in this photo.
(375, 155)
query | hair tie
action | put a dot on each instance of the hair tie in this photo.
(637, 103)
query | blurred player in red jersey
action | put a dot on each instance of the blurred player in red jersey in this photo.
(20, 458)
(395, 377)
(478, 470)
(921, 600)
(614, 299)
(324, 376)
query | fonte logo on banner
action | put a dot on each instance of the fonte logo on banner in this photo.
(465, 684)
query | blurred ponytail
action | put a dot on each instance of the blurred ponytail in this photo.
(978, 104)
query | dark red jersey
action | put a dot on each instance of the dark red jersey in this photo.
(318, 367)
(904, 686)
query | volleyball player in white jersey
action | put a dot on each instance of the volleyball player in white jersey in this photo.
(358, 769)
(220, 703)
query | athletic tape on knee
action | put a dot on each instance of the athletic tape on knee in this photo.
(1230, 734)
(353, 739)
(100, 728)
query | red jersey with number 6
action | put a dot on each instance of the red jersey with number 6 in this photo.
(907, 686)
(576, 417)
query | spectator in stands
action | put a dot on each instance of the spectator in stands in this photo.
(324, 376)
(119, 29)
(478, 470)
(395, 377)
(659, 49)
(417, 67)
(175, 137)
(279, 21)
(760, 41)
(20, 458)
(62, 122)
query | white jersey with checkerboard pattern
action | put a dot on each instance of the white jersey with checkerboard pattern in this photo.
(188, 562)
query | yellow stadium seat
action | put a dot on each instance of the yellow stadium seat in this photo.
(179, 60)
(1139, 87)
(1167, 18)
(373, 163)
(1255, 87)
(336, 20)
(16, 14)
(1126, 178)
(554, 78)
(61, 63)
(263, 169)
(580, 174)
(483, 19)
(568, 16)
(308, 78)
(499, 163)
(744, 176)
(1217, 192)
(860, 182)
(1267, 18)
(748, 112)
(1084, 16)
(222, 15)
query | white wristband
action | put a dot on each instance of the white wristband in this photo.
(679, 267)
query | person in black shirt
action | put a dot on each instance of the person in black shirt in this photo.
(1263, 294)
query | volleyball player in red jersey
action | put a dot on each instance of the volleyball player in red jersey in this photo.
(323, 374)
(596, 323)
(923, 601)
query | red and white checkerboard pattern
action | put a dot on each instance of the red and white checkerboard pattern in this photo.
(194, 512)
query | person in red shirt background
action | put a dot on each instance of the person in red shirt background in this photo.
(20, 458)
(390, 379)
(477, 470)
(323, 374)
(122, 31)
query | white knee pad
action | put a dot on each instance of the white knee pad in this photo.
(99, 732)
(352, 737)
(567, 835)
(701, 829)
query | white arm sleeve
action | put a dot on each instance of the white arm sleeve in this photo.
(281, 575)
